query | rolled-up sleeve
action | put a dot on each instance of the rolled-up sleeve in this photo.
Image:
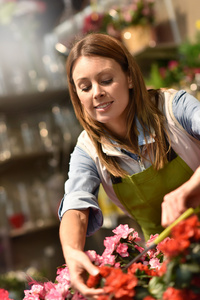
(186, 109)
(81, 189)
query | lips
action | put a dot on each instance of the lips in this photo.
(103, 105)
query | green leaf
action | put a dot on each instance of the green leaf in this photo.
(157, 287)
(183, 277)
(155, 80)
(141, 293)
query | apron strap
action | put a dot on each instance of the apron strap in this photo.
(170, 156)
(115, 179)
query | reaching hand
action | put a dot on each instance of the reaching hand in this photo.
(176, 202)
(79, 265)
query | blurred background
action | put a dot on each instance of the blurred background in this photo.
(38, 129)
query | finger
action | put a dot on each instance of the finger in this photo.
(88, 292)
(89, 266)
(174, 204)
(166, 216)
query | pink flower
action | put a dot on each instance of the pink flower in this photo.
(58, 291)
(78, 296)
(36, 291)
(151, 239)
(63, 275)
(140, 249)
(110, 243)
(29, 296)
(127, 16)
(117, 265)
(54, 294)
(155, 263)
(134, 237)
(108, 260)
(94, 257)
(163, 72)
(123, 231)
(173, 64)
(122, 249)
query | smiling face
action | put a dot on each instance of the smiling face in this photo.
(103, 90)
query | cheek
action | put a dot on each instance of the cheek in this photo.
(85, 99)
(81, 98)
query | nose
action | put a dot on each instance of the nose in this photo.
(98, 92)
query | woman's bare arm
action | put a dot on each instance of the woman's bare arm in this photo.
(73, 229)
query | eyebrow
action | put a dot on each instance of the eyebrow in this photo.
(98, 74)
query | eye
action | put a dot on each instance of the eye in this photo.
(85, 88)
(108, 81)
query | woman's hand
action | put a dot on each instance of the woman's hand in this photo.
(73, 229)
(80, 266)
(176, 202)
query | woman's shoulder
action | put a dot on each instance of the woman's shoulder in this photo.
(86, 144)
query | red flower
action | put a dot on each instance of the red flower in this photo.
(174, 247)
(188, 229)
(163, 268)
(105, 271)
(173, 64)
(121, 285)
(175, 294)
(4, 295)
(92, 23)
(104, 297)
(139, 266)
(149, 298)
(93, 281)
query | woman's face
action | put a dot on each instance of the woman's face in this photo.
(103, 90)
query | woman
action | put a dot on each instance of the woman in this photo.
(139, 144)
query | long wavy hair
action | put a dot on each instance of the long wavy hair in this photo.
(143, 104)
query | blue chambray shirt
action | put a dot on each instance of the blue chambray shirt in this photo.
(82, 186)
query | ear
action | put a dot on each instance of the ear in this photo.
(130, 82)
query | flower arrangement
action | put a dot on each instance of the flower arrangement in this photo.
(136, 12)
(168, 272)
(184, 70)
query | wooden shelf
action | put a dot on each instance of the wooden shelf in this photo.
(32, 228)
(12, 104)
(160, 51)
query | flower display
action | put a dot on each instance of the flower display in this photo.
(170, 271)
(136, 12)
(184, 70)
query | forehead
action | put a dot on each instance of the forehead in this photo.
(87, 65)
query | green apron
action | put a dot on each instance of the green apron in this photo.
(142, 193)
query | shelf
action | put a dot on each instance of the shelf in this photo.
(160, 51)
(41, 225)
(24, 158)
(30, 102)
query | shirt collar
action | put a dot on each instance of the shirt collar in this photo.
(141, 141)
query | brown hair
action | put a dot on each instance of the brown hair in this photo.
(142, 103)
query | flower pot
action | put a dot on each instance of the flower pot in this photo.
(137, 37)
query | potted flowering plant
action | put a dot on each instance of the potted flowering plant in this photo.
(131, 22)
(168, 272)
(136, 12)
